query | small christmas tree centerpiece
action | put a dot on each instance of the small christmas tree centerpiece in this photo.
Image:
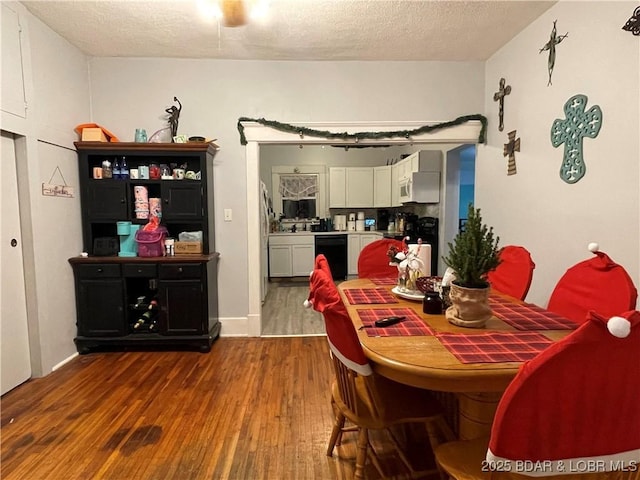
(472, 255)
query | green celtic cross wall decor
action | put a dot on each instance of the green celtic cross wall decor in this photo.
(554, 40)
(499, 97)
(510, 149)
(571, 131)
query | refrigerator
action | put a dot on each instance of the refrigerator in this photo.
(266, 215)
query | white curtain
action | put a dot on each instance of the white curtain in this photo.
(296, 187)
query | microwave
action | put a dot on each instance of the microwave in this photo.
(420, 187)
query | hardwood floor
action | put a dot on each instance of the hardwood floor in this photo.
(252, 408)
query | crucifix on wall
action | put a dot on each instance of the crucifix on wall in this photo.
(510, 150)
(499, 97)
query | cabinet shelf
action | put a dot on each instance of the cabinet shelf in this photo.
(185, 286)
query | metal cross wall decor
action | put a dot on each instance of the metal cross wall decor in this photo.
(633, 24)
(571, 131)
(499, 97)
(510, 149)
(554, 39)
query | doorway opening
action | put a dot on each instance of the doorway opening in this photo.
(257, 134)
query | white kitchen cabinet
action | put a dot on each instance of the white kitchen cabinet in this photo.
(302, 260)
(424, 161)
(382, 186)
(395, 186)
(355, 243)
(337, 187)
(291, 255)
(359, 187)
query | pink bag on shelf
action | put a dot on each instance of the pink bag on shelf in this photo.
(151, 242)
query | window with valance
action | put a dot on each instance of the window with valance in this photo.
(298, 186)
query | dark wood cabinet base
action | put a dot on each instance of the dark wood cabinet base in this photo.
(202, 343)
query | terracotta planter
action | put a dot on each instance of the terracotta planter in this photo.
(469, 306)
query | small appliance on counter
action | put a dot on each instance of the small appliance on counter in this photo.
(383, 219)
(127, 233)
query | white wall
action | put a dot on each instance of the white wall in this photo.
(535, 208)
(128, 93)
(57, 91)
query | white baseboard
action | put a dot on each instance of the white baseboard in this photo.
(64, 362)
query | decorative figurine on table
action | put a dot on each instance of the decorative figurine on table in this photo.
(174, 115)
(410, 265)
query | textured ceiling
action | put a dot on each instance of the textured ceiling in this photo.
(294, 29)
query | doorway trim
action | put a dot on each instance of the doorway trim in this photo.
(257, 134)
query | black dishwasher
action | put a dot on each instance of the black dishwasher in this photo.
(334, 247)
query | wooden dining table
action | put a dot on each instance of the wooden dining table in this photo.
(422, 360)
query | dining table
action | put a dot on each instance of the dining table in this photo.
(472, 365)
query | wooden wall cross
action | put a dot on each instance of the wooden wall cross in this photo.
(499, 97)
(571, 131)
(551, 46)
(510, 149)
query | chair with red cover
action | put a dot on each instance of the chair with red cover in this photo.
(597, 284)
(366, 399)
(573, 409)
(514, 273)
(373, 261)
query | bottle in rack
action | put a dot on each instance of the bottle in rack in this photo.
(124, 169)
(116, 169)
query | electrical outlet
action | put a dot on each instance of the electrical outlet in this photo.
(227, 215)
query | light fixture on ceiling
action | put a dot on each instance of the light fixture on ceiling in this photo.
(233, 13)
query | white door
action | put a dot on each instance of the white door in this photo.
(14, 335)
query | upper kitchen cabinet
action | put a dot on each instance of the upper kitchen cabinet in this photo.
(351, 187)
(359, 187)
(382, 186)
(337, 187)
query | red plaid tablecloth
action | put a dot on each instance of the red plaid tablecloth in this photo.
(527, 316)
(413, 325)
(369, 295)
(494, 347)
(384, 281)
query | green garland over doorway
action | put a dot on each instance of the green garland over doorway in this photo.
(356, 137)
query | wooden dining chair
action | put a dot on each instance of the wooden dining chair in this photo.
(597, 284)
(373, 261)
(366, 399)
(571, 412)
(514, 273)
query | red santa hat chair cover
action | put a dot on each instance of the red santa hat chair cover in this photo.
(514, 273)
(373, 261)
(597, 284)
(576, 402)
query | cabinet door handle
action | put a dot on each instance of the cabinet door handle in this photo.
(139, 270)
(180, 269)
(122, 200)
(99, 270)
(166, 201)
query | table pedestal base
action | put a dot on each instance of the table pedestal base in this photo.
(476, 412)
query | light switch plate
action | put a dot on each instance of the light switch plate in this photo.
(228, 216)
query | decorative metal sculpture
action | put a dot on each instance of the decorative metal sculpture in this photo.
(571, 131)
(633, 24)
(499, 97)
(510, 149)
(174, 115)
(554, 40)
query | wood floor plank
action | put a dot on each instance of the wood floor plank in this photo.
(252, 408)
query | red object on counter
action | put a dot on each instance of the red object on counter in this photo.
(154, 172)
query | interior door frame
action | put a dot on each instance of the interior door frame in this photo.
(258, 134)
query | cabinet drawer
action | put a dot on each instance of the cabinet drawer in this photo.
(139, 270)
(98, 271)
(180, 270)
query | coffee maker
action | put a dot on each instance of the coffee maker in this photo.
(411, 226)
(382, 222)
